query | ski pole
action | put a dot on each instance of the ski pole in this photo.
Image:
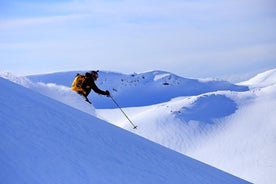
(134, 126)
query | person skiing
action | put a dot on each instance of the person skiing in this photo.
(83, 84)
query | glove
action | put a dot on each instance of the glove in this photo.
(107, 93)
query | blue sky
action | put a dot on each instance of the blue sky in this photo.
(213, 38)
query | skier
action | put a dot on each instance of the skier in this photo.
(83, 84)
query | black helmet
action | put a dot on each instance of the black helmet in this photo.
(94, 74)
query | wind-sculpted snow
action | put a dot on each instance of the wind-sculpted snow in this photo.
(207, 108)
(142, 89)
(45, 141)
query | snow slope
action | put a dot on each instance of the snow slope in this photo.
(179, 123)
(57, 92)
(231, 130)
(247, 142)
(225, 125)
(45, 141)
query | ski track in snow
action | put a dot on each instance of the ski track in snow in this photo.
(238, 138)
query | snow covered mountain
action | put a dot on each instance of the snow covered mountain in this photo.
(229, 126)
(45, 141)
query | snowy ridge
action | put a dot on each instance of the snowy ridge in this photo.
(142, 89)
(45, 141)
(262, 80)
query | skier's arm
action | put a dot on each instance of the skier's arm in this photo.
(97, 90)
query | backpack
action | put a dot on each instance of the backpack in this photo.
(77, 83)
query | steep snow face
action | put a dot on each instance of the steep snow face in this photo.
(45, 141)
(57, 92)
(143, 89)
